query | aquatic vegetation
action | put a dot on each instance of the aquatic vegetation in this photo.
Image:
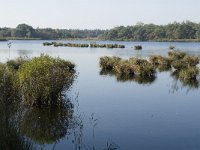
(183, 67)
(92, 45)
(16, 63)
(47, 44)
(37, 81)
(191, 60)
(95, 45)
(76, 45)
(43, 79)
(108, 63)
(124, 68)
(160, 60)
(3, 39)
(127, 69)
(138, 47)
(188, 73)
(176, 55)
(171, 47)
(115, 46)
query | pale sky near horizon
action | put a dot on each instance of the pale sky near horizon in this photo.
(93, 14)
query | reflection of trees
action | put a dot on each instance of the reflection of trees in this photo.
(47, 125)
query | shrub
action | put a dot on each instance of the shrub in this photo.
(43, 79)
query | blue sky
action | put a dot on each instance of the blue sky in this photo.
(92, 14)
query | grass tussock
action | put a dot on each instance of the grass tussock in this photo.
(108, 63)
(176, 55)
(130, 69)
(184, 67)
(138, 47)
(38, 81)
(92, 45)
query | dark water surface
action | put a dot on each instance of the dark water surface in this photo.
(109, 113)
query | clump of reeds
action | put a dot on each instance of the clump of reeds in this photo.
(47, 44)
(38, 81)
(184, 66)
(138, 47)
(16, 63)
(189, 73)
(42, 80)
(108, 63)
(160, 60)
(124, 68)
(176, 55)
(171, 47)
(133, 66)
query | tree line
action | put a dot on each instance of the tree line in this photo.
(24, 31)
(150, 32)
(175, 31)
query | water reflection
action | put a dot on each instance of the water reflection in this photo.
(10, 137)
(191, 84)
(47, 125)
(129, 78)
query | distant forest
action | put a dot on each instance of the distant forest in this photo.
(185, 31)
(24, 31)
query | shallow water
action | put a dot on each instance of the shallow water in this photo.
(109, 113)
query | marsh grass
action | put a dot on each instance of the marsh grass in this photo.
(108, 63)
(131, 69)
(138, 47)
(39, 81)
(183, 66)
(8, 84)
(91, 45)
(43, 79)
(16, 63)
(176, 55)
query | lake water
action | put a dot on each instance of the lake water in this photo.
(110, 113)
